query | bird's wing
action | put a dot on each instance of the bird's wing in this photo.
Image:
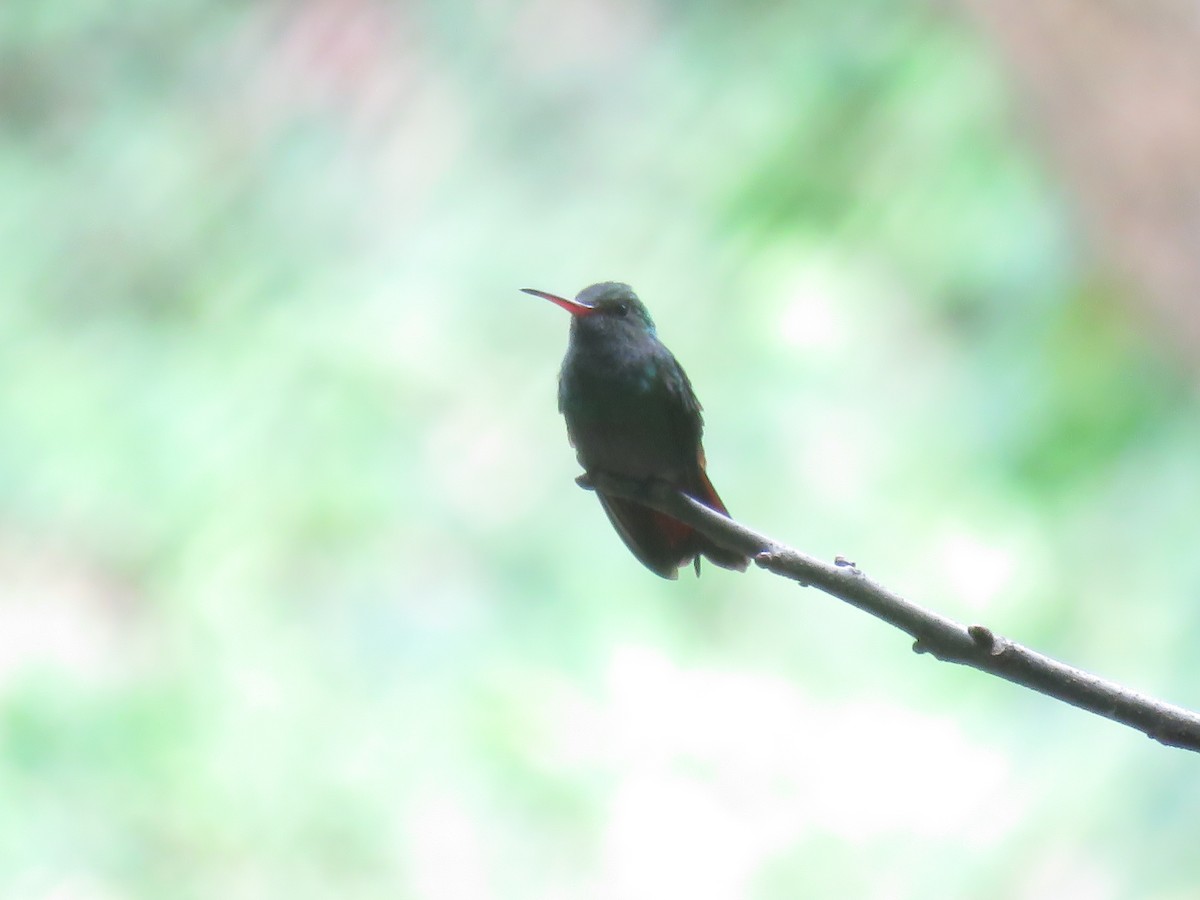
(684, 412)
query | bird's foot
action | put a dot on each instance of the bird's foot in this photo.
(642, 488)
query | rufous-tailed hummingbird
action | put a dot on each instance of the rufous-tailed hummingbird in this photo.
(631, 411)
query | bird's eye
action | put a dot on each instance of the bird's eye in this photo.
(621, 309)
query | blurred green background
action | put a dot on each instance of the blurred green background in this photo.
(297, 597)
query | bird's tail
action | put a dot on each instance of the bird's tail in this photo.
(663, 543)
(716, 554)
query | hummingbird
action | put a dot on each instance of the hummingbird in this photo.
(631, 411)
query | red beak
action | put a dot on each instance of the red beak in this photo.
(574, 307)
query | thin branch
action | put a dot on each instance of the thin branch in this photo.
(947, 640)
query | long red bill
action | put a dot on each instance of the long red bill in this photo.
(574, 307)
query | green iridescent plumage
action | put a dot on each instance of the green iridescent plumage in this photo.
(630, 410)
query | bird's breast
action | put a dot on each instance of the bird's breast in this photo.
(621, 415)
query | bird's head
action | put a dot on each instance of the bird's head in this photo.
(607, 308)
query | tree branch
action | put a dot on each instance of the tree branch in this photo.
(947, 640)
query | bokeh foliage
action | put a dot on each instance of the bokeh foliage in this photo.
(298, 599)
